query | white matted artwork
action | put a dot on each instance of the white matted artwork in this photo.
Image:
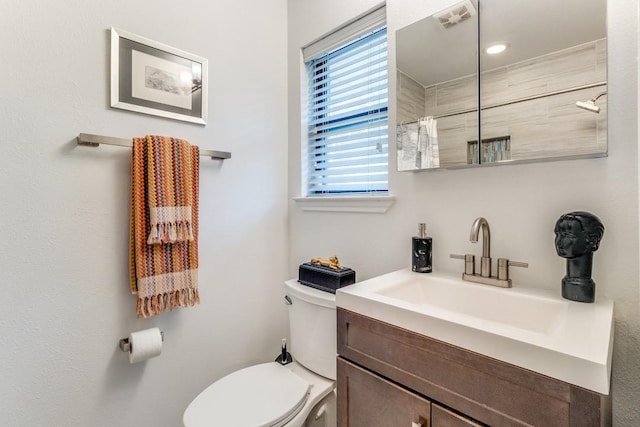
(153, 78)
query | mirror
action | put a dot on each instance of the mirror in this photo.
(542, 98)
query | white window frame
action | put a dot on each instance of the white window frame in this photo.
(346, 201)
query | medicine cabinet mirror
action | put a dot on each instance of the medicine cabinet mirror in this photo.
(542, 98)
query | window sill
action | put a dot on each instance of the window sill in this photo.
(356, 204)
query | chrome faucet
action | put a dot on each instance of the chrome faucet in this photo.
(485, 261)
(502, 279)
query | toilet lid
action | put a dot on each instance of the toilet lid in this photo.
(265, 395)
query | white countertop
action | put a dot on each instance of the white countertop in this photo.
(530, 328)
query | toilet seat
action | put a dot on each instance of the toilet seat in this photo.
(266, 395)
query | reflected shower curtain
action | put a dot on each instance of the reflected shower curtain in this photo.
(417, 145)
(428, 143)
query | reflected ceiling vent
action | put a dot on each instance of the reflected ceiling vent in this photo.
(455, 14)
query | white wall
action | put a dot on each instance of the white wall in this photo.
(64, 210)
(521, 203)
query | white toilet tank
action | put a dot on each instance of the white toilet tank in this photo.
(312, 326)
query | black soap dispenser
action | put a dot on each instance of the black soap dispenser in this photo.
(421, 254)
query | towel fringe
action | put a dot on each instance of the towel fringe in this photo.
(170, 224)
(179, 231)
(156, 304)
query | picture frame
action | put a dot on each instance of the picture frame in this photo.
(152, 78)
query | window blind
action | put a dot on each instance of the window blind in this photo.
(347, 114)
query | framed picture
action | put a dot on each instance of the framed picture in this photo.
(153, 78)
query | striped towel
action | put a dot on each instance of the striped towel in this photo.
(163, 244)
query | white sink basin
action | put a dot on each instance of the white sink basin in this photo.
(514, 309)
(533, 329)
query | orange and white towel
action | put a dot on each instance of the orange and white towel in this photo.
(163, 244)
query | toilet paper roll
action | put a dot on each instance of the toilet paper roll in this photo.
(144, 344)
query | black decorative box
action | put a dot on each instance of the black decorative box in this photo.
(325, 278)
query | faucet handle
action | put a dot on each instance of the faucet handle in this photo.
(503, 267)
(469, 262)
(518, 264)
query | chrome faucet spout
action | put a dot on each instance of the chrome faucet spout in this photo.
(486, 235)
(485, 261)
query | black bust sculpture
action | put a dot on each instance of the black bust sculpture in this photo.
(578, 235)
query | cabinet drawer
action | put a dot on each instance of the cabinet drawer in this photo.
(365, 399)
(488, 390)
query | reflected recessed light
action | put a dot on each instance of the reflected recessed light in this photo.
(496, 48)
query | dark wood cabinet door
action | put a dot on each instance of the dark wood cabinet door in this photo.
(365, 399)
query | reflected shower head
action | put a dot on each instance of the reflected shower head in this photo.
(590, 105)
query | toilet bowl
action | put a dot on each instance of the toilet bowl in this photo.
(301, 393)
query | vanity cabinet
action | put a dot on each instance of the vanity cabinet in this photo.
(389, 376)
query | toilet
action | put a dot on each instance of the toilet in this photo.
(301, 393)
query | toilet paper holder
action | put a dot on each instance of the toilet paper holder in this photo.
(125, 345)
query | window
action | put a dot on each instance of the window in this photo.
(347, 148)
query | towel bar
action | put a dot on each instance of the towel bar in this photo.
(126, 346)
(90, 140)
